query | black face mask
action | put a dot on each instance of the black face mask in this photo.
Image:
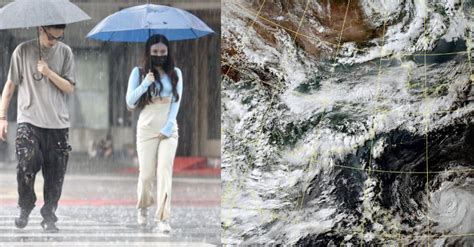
(158, 60)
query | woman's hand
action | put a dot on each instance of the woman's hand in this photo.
(150, 76)
(162, 137)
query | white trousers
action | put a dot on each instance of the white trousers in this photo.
(155, 156)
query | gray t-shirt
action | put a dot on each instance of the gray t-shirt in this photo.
(41, 103)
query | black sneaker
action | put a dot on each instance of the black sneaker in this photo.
(22, 221)
(49, 227)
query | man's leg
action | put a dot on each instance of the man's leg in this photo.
(54, 169)
(30, 160)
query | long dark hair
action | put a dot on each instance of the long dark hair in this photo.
(168, 67)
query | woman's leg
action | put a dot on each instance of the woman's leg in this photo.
(147, 151)
(166, 155)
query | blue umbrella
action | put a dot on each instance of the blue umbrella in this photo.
(137, 24)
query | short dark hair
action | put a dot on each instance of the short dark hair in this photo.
(58, 26)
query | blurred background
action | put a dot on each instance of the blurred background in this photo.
(102, 128)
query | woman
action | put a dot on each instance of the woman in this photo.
(157, 95)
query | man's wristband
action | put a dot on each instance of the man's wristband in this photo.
(3, 118)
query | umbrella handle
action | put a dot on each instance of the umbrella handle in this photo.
(37, 77)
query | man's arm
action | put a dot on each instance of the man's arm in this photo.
(63, 84)
(7, 94)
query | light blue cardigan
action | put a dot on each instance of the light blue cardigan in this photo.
(135, 90)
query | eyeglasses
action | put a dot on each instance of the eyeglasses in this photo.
(51, 37)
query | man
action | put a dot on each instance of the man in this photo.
(43, 119)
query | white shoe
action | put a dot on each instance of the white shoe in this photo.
(163, 226)
(142, 216)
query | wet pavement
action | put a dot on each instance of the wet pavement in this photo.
(99, 210)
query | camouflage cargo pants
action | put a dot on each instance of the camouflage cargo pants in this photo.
(41, 149)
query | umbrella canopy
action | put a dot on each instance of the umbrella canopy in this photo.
(137, 24)
(34, 13)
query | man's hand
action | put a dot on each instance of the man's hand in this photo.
(3, 130)
(61, 83)
(43, 67)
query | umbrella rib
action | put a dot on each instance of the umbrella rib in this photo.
(195, 34)
(111, 36)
